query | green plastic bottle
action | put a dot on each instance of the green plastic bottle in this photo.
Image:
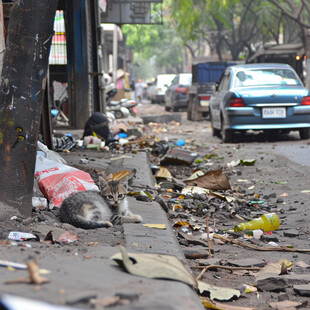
(266, 222)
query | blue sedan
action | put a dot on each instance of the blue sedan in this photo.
(260, 97)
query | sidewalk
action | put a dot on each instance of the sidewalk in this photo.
(79, 273)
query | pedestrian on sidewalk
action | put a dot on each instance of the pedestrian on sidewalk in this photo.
(139, 90)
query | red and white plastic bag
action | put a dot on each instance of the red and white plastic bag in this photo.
(57, 181)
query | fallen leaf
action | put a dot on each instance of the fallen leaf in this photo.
(158, 226)
(247, 162)
(109, 301)
(220, 306)
(302, 264)
(155, 266)
(213, 180)
(285, 305)
(176, 206)
(49, 238)
(121, 175)
(182, 223)
(280, 182)
(278, 268)
(218, 293)
(163, 173)
(34, 275)
(194, 189)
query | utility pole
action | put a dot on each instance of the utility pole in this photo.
(23, 82)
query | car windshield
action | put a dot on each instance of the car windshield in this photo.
(262, 77)
(185, 79)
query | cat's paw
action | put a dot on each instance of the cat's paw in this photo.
(137, 218)
(132, 218)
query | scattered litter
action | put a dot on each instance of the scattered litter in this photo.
(267, 222)
(22, 236)
(241, 162)
(175, 157)
(13, 302)
(180, 142)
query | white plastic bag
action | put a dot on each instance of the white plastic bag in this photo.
(49, 154)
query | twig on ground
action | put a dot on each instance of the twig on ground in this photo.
(258, 248)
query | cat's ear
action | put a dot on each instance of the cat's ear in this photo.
(102, 183)
(124, 183)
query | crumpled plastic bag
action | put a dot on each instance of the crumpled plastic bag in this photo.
(49, 154)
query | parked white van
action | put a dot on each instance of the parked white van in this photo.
(158, 90)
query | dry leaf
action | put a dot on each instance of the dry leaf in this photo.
(220, 306)
(182, 223)
(49, 238)
(213, 180)
(121, 175)
(285, 305)
(158, 226)
(218, 293)
(278, 268)
(155, 266)
(163, 173)
(34, 275)
(110, 301)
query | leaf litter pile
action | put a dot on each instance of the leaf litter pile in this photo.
(246, 267)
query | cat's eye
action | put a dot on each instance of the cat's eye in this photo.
(121, 196)
(109, 197)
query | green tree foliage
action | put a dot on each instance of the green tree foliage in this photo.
(156, 45)
(233, 26)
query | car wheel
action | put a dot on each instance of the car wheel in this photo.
(175, 109)
(118, 114)
(167, 108)
(189, 110)
(304, 133)
(227, 134)
(215, 132)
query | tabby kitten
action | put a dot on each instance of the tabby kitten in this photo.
(91, 209)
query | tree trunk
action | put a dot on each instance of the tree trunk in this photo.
(307, 84)
(25, 66)
(2, 41)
